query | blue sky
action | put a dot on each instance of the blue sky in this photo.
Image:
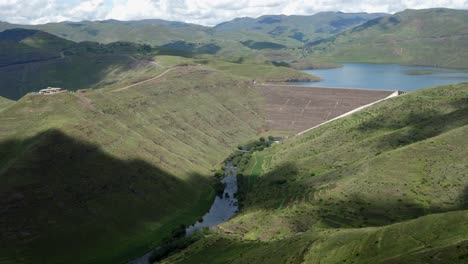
(205, 12)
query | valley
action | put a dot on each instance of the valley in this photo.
(275, 139)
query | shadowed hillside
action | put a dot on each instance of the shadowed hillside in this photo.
(102, 176)
(19, 46)
(51, 182)
(31, 60)
(267, 38)
(387, 184)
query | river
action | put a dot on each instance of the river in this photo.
(223, 208)
(385, 76)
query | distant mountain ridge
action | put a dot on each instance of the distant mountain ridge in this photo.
(431, 37)
(158, 32)
(300, 28)
(23, 45)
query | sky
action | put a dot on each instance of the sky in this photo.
(204, 12)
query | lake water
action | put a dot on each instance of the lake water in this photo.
(385, 77)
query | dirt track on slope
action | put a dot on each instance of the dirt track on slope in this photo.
(147, 80)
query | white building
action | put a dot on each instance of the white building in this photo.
(51, 90)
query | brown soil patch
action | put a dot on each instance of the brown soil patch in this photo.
(297, 108)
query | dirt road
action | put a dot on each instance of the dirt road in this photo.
(147, 80)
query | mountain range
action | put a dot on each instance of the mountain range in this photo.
(132, 152)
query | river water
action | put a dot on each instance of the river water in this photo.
(223, 208)
(385, 77)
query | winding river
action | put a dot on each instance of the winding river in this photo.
(223, 208)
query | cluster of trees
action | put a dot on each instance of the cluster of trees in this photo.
(242, 156)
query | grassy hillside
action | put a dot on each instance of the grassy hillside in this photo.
(298, 28)
(259, 72)
(5, 102)
(152, 31)
(283, 29)
(101, 176)
(31, 60)
(266, 38)
(432, 37)
(180, 36)
(386, 185)
(22, 45)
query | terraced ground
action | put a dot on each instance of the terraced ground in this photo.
(385, 185)
(295, 108)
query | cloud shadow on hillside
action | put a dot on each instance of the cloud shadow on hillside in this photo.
(61, 197)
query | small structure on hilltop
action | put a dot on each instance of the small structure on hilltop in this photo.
(51, 90)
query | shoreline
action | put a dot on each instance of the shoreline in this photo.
(323, 87)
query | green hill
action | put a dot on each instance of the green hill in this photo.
(5, 102)
(432, 37)
(20, 46)
(31, 60)
(385, 185)
(294, 29)
(266, 38)
(154, 32)
(151, 31)
(298, 28)
(101, 176)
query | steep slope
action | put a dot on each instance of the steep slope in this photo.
(101, 176)
(387, 185)
(298, 28)
(20, 46)
(155, 32)
(265, 38)
(5, 102)
(433, 37)
(152, 31)
(31, 60)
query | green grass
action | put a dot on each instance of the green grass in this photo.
(259, 72)
(429, 239)
(255, 169)
(5, 102)
(34, 60)
(432, 37)
(123, 168)
(386, 184)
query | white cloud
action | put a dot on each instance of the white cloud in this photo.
(206, 12)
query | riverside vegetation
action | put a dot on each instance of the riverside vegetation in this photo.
(122, 172)
(114, 167)
(337, 194)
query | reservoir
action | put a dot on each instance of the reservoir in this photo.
(385, 77)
